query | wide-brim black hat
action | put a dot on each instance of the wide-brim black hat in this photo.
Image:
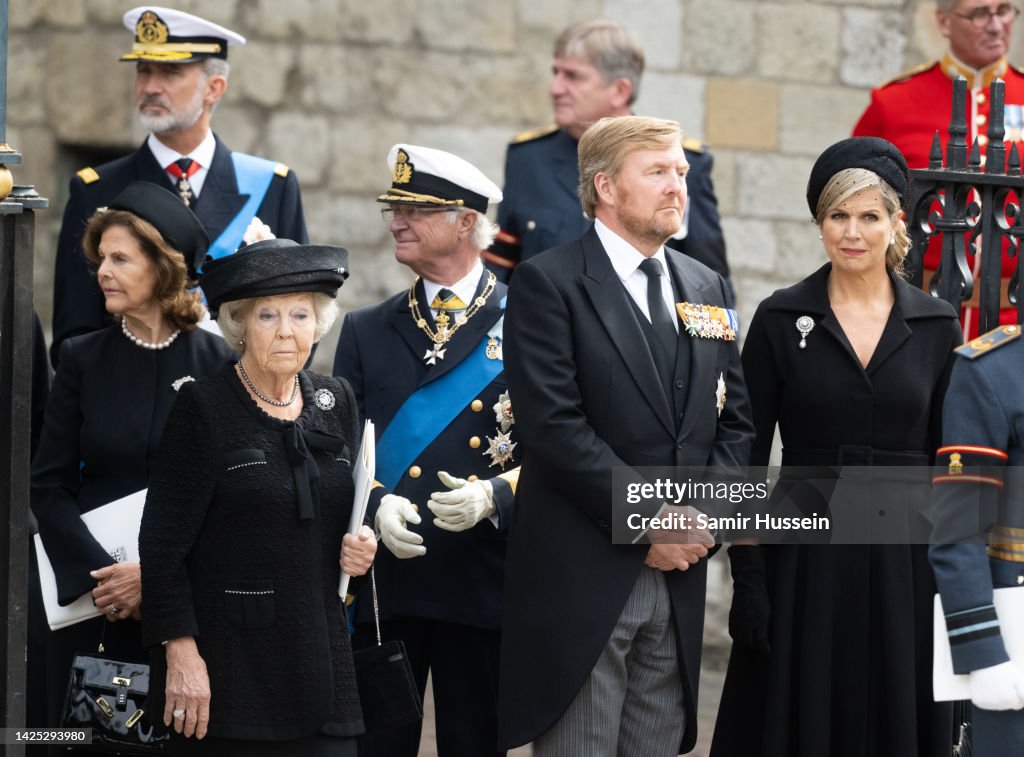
(872, 153)
(176, 223)
(274, 266)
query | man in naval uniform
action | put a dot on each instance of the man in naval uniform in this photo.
(911, 108)
(181, 73)
(596, 73)
(978, 539)
(426, 366)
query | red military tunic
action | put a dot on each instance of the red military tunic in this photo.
(909, 109)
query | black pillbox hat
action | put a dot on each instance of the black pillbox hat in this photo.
(871, 153)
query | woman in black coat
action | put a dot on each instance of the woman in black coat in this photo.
(832, 642)
(244, 533)
(110, 397)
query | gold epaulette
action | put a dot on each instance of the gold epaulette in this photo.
(694, 145)
(88, 175)
(908, 73)
(989, 341)
(531, 134)
(281, 169)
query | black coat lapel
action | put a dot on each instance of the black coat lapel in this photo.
(611, 303)
(219, 202)
(702, 381)
(401, 321)
(147, 168)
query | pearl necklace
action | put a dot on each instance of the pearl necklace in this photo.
(261, 395)
(148, 345)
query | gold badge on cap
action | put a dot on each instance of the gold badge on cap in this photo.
(150, 29)
(402, 172)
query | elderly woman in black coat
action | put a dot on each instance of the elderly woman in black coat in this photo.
(244, 533)
(110, 397)
(832, 642)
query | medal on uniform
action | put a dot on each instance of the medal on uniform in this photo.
(493, 349)
(503, 412)
(708, 321)
(434, 354)
(500, 449)
(445, 329)
(720, 394)
(804, 324)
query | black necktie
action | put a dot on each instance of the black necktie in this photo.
(660, 318)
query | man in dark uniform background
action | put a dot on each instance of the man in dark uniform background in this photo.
(181, 74)
(426, 366)
(909, 109)
(978, 540)
(596, 73)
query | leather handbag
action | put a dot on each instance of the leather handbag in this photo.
(387, 690)
(110, 697)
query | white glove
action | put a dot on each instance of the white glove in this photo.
(468, 503)
(392, 515)
(999, 687)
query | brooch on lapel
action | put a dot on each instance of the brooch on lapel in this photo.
(708, 321)
(804, 324)
(503, 412)
(720, 394)
(500, 449)
(176, 385)
(324, 399)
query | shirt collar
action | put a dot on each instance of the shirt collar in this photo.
(464, 288)
(625, 258)
(976, 78)
(203, 154)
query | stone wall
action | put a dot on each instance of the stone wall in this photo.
(327, 86)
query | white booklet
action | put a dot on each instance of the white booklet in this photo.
(363, 471)
(948, 686)
(116, 527)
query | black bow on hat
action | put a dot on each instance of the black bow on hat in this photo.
(274, 266)
(872, 153)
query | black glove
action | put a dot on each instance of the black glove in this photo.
(751, 610)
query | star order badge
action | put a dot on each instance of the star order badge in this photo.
(720, 394)
(434, 354)
(324, 399)
(500, 449)
(503, 412)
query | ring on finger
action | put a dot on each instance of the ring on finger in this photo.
(112, 609)
(179, 714)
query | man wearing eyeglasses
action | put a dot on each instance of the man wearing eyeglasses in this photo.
(426, 366)
(909, 109)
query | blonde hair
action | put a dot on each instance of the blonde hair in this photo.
(232, 315)
(182, 307)
(604, 146)
(844, 184)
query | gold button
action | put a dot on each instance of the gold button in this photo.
(981, 98)
(982, 140)
(477, 406)
(531, 225)
(471, 479)
(474, 442)
(415, 472)
(980, 119)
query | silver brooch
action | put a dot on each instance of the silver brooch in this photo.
(324, 399)
(503, 412)
(176, 385)
(804, 324)
(500, 449)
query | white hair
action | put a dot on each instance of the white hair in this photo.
(233, 315)
(484, 231)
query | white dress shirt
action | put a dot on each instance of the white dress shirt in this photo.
(203, 155)
(626, 260)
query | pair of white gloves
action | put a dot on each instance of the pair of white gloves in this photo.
(462, 507)
(999, 687)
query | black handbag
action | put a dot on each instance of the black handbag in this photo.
(387, 690)
(110, 697)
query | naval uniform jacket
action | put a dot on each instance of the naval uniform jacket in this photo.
(541, 206)
(106, 411)
(78, 305)
(459, 579)
(589, 399)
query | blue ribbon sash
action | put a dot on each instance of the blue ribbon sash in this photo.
(253, 175)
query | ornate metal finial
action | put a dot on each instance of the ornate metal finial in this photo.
(974, 157)
(1013, 161)
(995, 155)
(935, 155)
(956, 148)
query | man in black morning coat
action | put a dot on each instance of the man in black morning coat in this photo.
(601, 640)
(181, 74)
(426, 367)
